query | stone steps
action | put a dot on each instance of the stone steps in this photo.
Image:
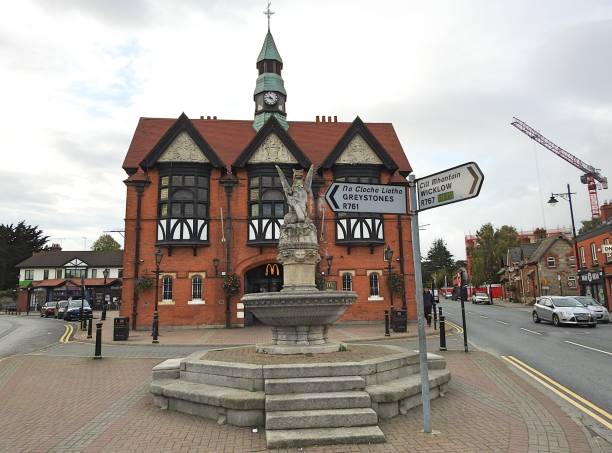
(324, 436)
(326, 418)
(314, 401)
(313, 385)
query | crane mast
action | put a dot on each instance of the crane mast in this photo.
(591, 174)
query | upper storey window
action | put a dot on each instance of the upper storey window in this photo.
(183, 204)
(266, 205)
(362, 227)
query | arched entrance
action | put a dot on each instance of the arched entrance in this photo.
(266, 278)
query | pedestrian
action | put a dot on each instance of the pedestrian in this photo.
(427, 305)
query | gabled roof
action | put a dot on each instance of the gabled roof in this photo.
(269, 50)
(544, 245)
(182, 124)
(521, 252)
(604, 228)
(359, 128)
(229, 138)
(59, 259)
(272, 126)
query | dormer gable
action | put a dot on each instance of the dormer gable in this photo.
(76, 262)
(272, 144)
(182, 143)
(359, 146)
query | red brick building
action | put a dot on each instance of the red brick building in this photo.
(206, 192)
(595, 274)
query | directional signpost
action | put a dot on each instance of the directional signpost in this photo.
(448, 186)
(379, 198)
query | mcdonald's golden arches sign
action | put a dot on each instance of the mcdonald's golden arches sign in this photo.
(272, 270)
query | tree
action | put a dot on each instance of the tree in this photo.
(17, 242)
(489, 251)
(105, 243)
(589, 225)
(539, 233)
(439, 263)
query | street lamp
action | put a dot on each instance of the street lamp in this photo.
(568, 196)
(329, 260)
(560, 284)
(216, 266)
(82, 299)
(388, 256)
(158, 258)
(105, 273)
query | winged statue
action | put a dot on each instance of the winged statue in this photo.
(297, 194)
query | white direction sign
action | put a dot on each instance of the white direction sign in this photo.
(449, 186)
(606, 248)
(378, 198)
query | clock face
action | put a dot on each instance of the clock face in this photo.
(270, 98)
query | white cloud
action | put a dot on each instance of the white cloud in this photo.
(449, 75)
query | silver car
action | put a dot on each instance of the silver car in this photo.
(562, 310)
(598, 311)
(480, 298)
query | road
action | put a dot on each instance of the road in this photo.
(25, 334)
(580, 358)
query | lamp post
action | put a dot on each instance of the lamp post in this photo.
(388, 256)
(568, 196)
(82, 300)
(105, 272)
(158, 258)
(329, 260)
(216, 266)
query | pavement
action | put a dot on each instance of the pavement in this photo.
(239, 336)
(62, 403)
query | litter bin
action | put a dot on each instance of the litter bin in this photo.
(121, 328)
(398, 320)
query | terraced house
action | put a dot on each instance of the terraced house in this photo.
(205, 192)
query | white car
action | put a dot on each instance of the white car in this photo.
(562, 310)
(480, 298)
(598, 311)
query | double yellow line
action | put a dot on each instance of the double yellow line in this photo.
(575, 400)
(68, 329)
(458, 329)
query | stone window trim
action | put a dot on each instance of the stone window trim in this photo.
(350, 273)
(551, 262)
(571, 259)
(594, 259)
(582, 256)
(162, 277)
(201, 300)
(374, 297)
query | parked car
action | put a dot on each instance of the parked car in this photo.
(562, 310)
(74, 308)
(480, 298)
(47, 309)
(60, 309)
(598, 311)
(10, 307)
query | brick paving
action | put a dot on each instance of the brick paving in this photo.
(62, 404)
(240, 336)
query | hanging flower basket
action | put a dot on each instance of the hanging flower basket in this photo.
(143, 283)
(231, 284)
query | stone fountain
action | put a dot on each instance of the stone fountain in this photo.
(300, 314)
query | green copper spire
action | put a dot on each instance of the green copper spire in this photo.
(269, 50)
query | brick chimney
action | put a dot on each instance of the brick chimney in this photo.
(606, 211)
(55, 248)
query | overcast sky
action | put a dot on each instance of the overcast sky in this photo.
(450, 75)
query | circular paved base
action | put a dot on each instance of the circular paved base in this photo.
(299, 349)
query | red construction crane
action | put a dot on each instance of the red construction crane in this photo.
(591, 174)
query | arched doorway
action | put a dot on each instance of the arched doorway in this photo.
(266, 278)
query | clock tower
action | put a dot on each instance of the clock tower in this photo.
(270, 95)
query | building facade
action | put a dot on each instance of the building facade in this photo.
(55, 275)
(206, 193)
(595, 258)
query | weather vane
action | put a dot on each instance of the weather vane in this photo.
(268, 13)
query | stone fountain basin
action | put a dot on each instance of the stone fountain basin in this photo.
(299, 308)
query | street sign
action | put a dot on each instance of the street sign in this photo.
(449, 186)
(606, 248)
(375, 198)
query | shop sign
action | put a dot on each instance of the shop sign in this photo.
(606, 248)
(589, 277)
(272, 270)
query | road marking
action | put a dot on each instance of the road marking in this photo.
(483, 316)
(531, 331)
(65, 338)
(542, 378)
(455, 326)
(501, 322)
(588, 347)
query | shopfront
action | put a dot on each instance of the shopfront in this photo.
(592, 284)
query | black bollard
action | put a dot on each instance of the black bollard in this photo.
(90, 322)
(98, 353)
(435, 316)
(103, 318)
(387, 333)
(442, 333)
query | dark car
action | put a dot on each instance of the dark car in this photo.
(73, 310)
(48, 309)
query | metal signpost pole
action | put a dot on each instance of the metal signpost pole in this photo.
(463, 297)
(418, 283)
